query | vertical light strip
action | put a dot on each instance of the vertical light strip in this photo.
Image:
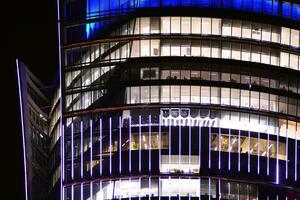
(91, 190)
(219, 149)
(91, 147)
(72, 150)
(129, 144)
(81, 191)
(60, 101)
(258, 152)
(160, 145)
(179, 144)
(209, 146)
(140, 144)
(23, 130)
(200, 146)
(296, 154)
(277, 160)
(150, 142)
(229, 150)
(287, 154)
(120, 145)
(190, 144)
(101, 139)
(248, 151)
(72, 192)
(268, 155)
(149, 185)
(239, 152)
(170, 145)
(62, 161)
(81, 149)
(110, 147)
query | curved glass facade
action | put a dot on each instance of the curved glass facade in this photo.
(180, 99)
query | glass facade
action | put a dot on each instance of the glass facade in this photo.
(179, 99)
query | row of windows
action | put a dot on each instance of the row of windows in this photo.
(250, 145)
(163, 187)
(225, 50)
(186, 94)
(84, 78)
(82, 100)
(211, 26)
(205, 118)
(154, 73)
(186, 48)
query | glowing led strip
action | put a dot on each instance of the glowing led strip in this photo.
(23, 129)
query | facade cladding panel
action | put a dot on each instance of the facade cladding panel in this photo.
(180, 99)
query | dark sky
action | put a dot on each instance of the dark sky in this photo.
(30, 34)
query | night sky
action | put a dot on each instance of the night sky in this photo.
(30, 35)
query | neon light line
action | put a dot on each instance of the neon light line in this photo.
(23, 129)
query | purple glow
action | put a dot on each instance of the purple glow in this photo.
(199, 146)
(248, 151)
(72, 151)
(219, 144)
(60, 101)
(129, 144)
(159, 137)
(120, 145)
(23, 129)
(110, 146)
(72, 192)
(296, 157)
(209, 150)
(100, 130)
(277, 160)
(239, 153)
(91, 146)
(81, 149)
(149, 164)
(63, 152)
(258, 159)
(140, 143)
(179, 160)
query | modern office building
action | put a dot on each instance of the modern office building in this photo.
(39, 118)
(171, 99)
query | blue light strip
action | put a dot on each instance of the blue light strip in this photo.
(95, 9)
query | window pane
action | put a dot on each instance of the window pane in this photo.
(185, 25)
(175, 24)
(216, 26)
(165, 25)
(206, 25)
(145, 25)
